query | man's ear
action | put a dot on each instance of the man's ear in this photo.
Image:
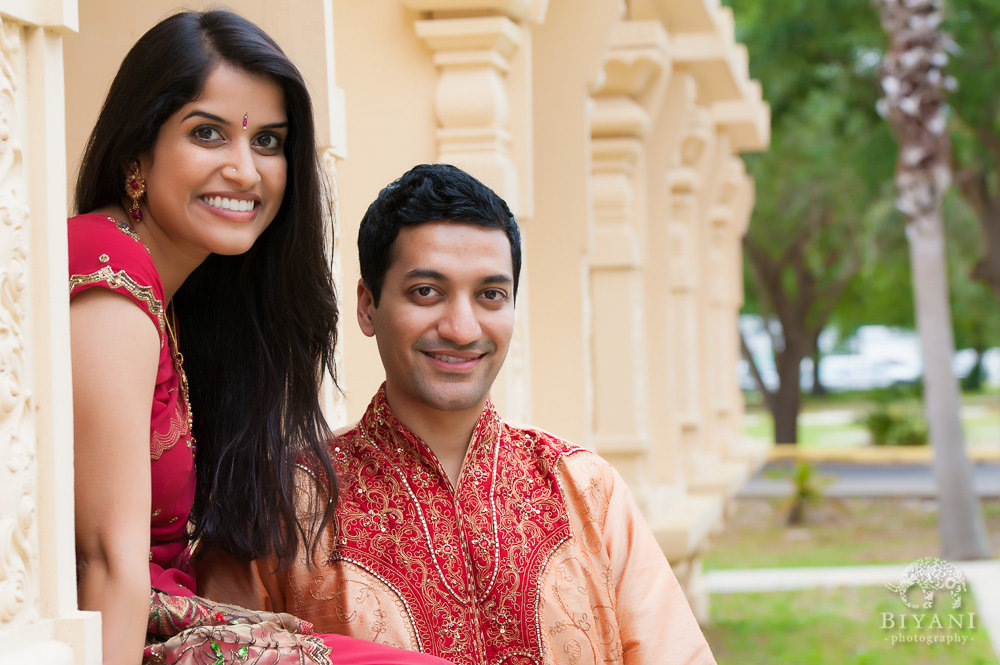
(366, 309)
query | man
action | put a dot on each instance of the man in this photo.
(456, 533)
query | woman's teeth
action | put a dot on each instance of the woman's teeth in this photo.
(241, 205)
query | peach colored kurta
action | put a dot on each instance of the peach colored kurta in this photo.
(539, 555)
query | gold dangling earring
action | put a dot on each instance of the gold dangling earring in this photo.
(135, 189)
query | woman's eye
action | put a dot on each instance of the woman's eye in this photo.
(424, 291)
(268, 142)
(494, 295)
(207, 134)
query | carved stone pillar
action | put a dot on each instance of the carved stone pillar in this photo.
(721, 314)
(472, 103)
(635, 72)
(730, 217)
(478, 101)
(39, 621)
(473, 42)
(683, 255)
(334, 402)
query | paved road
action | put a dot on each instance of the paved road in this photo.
(847, 480)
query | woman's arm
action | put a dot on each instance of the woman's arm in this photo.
(115, 350)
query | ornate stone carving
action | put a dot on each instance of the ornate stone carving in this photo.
(472, 100)
(630, 88)
(19, 594)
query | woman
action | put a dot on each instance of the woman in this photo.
(201, 256)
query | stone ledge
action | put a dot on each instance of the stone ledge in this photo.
(872, 454)
(725, 479)
(682, 532)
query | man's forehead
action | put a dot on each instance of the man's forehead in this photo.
(440, 239)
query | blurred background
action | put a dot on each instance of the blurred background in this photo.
(885, 120)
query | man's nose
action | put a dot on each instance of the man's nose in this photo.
(459, 323)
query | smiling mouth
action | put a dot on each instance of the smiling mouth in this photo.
(452, 359)
(222, 203)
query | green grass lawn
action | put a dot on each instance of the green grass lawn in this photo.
(838, 532)
(980, 419)
(830, 626)
(838, 626)
(833, 627)
(837, 434)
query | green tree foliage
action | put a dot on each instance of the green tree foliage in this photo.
(824, 188)
(975, 123)
(975, 315)
(882, 292)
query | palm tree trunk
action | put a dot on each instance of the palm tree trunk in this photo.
(960, 522)
(914, 82)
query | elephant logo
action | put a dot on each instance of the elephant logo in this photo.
(931, 575)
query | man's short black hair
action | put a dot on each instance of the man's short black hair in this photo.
(429, 193)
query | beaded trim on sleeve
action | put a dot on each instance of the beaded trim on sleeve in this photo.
(127, 229)
(119, 280)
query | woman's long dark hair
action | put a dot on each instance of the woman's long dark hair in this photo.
(258, 330)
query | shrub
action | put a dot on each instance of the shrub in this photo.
(896, 425)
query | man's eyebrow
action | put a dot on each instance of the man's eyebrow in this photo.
(214, 118)
(425, 273)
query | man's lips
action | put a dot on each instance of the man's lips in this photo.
(454, 359)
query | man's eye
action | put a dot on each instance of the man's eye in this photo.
(495, 295)
(424, 291)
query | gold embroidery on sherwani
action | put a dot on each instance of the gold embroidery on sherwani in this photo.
(466, 562)
(581, 579)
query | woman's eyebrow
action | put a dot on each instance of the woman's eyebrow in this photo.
(204, 114)
(211, 116)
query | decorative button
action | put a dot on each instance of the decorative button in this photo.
(422, 478)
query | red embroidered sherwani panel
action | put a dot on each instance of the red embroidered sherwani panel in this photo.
(539, 555)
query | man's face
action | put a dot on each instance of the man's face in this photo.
(445, 317)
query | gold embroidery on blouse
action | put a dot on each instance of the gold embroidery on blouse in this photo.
(161, 442)
(122, 280)
(103, 258)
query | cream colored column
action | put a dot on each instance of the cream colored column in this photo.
(475, 45)
(333, 151)
(746, 123)
(727, 222)
(634, 77)
(730, 118)
(568, 53)
(685, 281)
(39, 620)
